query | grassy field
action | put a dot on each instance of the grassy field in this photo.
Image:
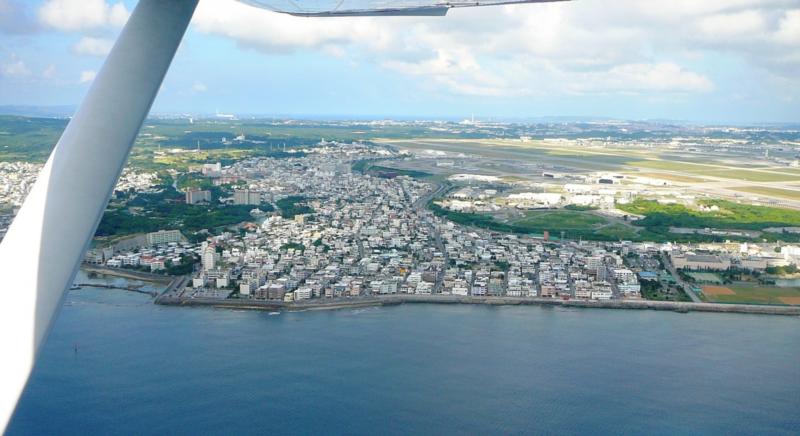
(618, 232)
(752, 294)
(655, 227)
(680, 167)
(570, 156)
(671, 177)
(752, 175)
(387, 172)
(558, 220)
(771, 192)
(729, 216)
(696, 169)
(587, 162)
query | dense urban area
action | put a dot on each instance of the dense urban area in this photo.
(568, 211)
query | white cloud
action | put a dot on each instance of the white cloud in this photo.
(789, 29)
(90, 46)
(199, 87)
(738, 25)
(49, 72)
(15, 68)
(82, 15)
(588, 46)
(87, 76)
(271, 32)
(663, 77)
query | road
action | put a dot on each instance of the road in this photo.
(420, 205)
(686, 286)
(422, 202)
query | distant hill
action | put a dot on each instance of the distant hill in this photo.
(65, 111)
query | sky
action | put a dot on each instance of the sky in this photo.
(720, 61)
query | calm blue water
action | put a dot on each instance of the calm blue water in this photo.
(142, 369)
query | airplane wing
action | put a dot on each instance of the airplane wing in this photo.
(367, 8)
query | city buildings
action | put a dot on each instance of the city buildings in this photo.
(362, 235)
(246, 197)
(196, 196)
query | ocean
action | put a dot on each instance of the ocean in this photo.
(117, 364)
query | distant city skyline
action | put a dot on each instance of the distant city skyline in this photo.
(705, 62)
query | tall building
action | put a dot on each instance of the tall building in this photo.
(246, 196)
(209, 256)
(195, 196)
(212, 169)
(164, 237)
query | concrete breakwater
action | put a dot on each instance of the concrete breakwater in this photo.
(121, 288)
(344, 303)
(127, 274)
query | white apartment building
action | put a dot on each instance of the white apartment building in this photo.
(164, 237)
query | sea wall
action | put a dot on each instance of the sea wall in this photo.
(342, 303)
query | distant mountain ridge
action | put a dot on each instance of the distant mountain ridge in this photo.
(64, 111)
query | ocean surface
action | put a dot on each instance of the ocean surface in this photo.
(117, 364)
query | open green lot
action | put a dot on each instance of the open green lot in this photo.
(574, 224)
(681, 167)
(558, 220)
(756, 294)
(771, 192)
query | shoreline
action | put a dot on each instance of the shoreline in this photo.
(394, 300)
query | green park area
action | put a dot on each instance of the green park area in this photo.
(654, 227)
(150, 212)
(720, 214)
(574, 224)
